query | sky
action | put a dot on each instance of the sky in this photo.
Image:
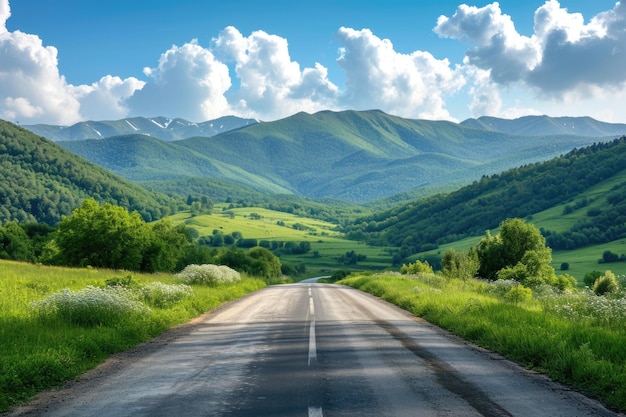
(66, 61)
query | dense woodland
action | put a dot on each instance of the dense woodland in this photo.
(520, 192)
(41, 182)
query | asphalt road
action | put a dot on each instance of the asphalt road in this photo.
(310, 350)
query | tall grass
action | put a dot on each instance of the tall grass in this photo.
(577, 338)
(56, 323)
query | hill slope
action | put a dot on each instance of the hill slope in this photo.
(41, 182)
(350, 156)
(519, 192)
(544, 125)
(159, 127)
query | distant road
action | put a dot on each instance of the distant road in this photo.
(310, 350)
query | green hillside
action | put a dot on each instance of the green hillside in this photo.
(356, 156)
(41, 182)
(587, 183)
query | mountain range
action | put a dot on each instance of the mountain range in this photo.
(158, 127)
(355, 156)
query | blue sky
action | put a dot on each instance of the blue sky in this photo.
(71, 60)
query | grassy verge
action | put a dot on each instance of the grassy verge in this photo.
(575, 339)
(40, 351)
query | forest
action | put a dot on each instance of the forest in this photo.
(424, 224)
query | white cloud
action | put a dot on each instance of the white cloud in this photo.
(5, 13)
(31, 88)
(106, 98)
(271, 84)
(33, 91)
(563, 57)
(189, 82)
(410, 85)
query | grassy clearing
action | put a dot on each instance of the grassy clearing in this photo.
(41, 350)
(584, 351)
(327, 246)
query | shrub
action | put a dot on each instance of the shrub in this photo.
(208, 274)
(518, 294)
(416, 268)
(162, 295)
(91, 306)
(606, 284)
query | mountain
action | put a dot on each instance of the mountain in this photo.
(355, 156)
(544, 125)
(158, 127)
(41, 182)
(519, 192)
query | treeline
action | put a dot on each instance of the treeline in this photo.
(108, 236)
(425, 224)
(41, 182)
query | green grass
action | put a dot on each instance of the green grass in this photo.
(327, 245)
(40, 351)
(582, 351)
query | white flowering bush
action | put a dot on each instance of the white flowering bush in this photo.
(162, 295)
(92, 305)
(208, 274)
(586, 305)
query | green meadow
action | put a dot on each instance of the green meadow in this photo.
(44, 347)
(327, 245)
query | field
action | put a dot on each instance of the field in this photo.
(46, 344)
(327, 246)
(574, 338)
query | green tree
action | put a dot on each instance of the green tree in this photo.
(105, 236)
(518, 252)
(267, 264)
(15, 243)
(166, 246)
(463, 265)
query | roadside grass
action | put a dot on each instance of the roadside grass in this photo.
(585, 352)
(41, 350)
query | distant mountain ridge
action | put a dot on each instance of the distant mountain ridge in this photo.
(545, 125)
(355, 156)
(158, 127)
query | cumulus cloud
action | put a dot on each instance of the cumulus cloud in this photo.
(410, 85)
(564, 55)
(33, 91)
(188, 82)
(5, 13)
(106, 98)
(271, 85)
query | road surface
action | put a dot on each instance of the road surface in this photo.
(310, 350)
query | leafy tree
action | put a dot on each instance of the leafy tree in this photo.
(267, 265)
(105, 236)
(167, 245)
(15, 243)
(518, 252)
(463, 265)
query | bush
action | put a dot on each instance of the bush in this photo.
(91, 306)
(416, 268)
(162, 295)
(208, 274)
(518, 294)
(606, 284)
